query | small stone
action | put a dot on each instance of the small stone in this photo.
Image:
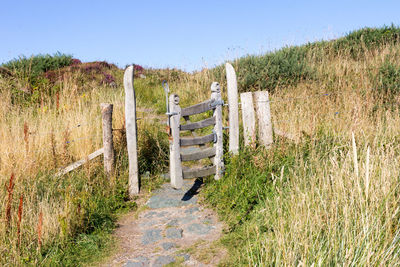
(151, 236)
(174, 233)
(199, 229)
(192, 210)
(168, 245)
(163, 260)
(138, 262)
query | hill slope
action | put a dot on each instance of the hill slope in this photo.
(297, 203)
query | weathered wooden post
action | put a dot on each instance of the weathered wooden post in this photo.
(233, 109)
(175, 165)
(108, 144)
(248, 117)
(131, 135)
(264, 117)
(218, 143)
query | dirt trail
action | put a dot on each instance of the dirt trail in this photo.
(174, 230)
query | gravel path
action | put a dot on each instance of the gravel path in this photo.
(174, 230)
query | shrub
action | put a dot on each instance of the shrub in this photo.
(285, 67)
(387, 82)
(356, 43)
(34, 66)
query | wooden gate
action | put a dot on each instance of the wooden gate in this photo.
(175, 114)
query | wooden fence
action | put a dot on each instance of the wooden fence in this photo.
(253, 105)
(108, 147)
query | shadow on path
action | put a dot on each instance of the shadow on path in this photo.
(193, 190)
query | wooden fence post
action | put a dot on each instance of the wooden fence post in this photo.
(264, 117)
(108, 144)
(131, 135)
(233, 109)
(175, 164)
(248, 117)
(218, 144)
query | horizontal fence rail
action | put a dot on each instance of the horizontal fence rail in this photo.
(194, 173)
(201, 154)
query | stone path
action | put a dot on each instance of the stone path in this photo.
(171, 231)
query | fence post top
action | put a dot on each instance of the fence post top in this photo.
(174, 98)
(215, 87)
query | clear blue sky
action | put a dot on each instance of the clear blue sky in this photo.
(184, 34)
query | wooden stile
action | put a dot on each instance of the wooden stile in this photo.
(216, 152)
(248, 117)
(131, 131)
(233, 109)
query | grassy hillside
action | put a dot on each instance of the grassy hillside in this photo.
(299, 202)
(50, 118)
(306, 203)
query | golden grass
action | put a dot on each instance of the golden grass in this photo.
(53, 138)
(340, 206)
(356, 215)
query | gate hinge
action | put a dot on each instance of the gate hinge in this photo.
(217, 103)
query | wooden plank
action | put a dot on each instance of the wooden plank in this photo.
(203, 153)
(196, 109)
(131, 135)
(79, 163)
(264, 117)
(233, 109)
(219, 153)
(106, 113)
(198, 125)
(195, 173)
(197, 140)
(175, 164)
(249, 118)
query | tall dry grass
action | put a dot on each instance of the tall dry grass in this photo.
(35, 142)
(335, 202)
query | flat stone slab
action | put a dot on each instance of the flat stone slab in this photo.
(173, 233)
(164, 201)
(163, 260)
(168, 245)
(167, 197)
(199, 228)
(192, 210)
(138, 262)
(151, 236)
